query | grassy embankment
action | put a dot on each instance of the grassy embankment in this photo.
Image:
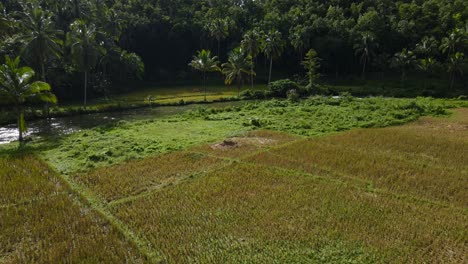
(109, 145)
(137, 98)
(369, 195)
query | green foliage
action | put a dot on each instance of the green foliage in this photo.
(280, 88)
(40, 37)
(311, 64)
(205, 63)
(238, 66)
(17, 85)
(404, 60)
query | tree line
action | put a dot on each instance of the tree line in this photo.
(83, 46)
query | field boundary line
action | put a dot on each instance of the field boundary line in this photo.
(86, 196)
(163, 186)
(409, 198)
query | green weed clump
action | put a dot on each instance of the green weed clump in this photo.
(42, 222)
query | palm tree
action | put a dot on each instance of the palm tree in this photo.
(205, 63)
(455, 65)
(237, 67)
(16, 86)
(272, 48)
(426, 47)
(450, 44)
(251, 43)
(299, 40)
(404, 60)
(426, 65)
(85, 48)
(41, 39)
(218, 29)
(365, 49)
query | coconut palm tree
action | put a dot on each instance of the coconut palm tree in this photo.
(450, 43)
(41, 39)
(427, 47)
(403, 60)
(17, 86)
(455, 65)
(426, 65)
(218, 29)
(205, 63)
(237, 67)
(365, 50)
(272, 48)
(251, 43)
(299, 40)
(85, 48)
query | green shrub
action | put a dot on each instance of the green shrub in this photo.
(293, 95)
(280, 88)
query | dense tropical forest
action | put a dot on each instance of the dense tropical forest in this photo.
(102, 43)
(233, 131)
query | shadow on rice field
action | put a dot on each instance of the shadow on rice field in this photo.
(379, 195)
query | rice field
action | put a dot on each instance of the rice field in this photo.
(369, 195)
(43, 221)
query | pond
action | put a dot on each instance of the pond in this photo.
(66, 125)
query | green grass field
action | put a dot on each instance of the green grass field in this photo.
(320, 181)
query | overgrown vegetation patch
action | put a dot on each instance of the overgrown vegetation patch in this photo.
(104, 146)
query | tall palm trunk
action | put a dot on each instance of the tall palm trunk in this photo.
(452, 80)
(239, 80)
(20, 114)
(403, 77)
(251, 75)
(85, 86)
(43, 77)
(271, 67)
(43, 74)
(364, 69)
(204, 84)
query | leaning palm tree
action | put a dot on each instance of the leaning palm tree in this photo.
(237, 67)
(41, 39)
(85, 48)
(365, 50)
(251, 43)
(272, 47)
(205, 63)
(17, 87)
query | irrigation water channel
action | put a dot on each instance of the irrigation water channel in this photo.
(66, 125)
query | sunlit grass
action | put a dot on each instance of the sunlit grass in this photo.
(408, 159)
(105, 146)
(252, 213)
